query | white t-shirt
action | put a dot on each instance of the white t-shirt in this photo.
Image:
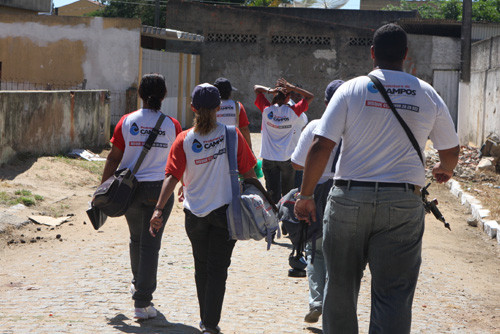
(227, 114)
(375, 146)
(300, 153)
(297, 130)
(277, 127)
(202, 163)
(131, 133)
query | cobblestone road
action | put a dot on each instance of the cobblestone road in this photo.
(80, 285)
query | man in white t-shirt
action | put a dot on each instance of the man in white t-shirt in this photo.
(297, 130)
(375, 214)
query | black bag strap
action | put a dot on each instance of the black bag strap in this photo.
(410, 135)
(149, 142)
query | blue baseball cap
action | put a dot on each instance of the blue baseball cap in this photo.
(205, 96)
(331, 89)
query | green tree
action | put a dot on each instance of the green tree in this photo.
(482, 10)
(141, 9)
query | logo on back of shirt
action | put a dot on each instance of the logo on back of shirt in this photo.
(197, 147)
(134, 129)
(270, 115)
(371, 88)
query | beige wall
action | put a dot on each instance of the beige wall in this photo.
(64, 51)
(78, 8)
(52, 49)
(52, 122)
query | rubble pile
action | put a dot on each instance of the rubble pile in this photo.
(467, 168)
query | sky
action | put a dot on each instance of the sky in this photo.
(352, 4)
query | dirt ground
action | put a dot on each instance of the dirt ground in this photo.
(458, 291)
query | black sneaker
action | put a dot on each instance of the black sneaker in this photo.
(294, 272)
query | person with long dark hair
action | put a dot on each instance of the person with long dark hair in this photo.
(129, 137)
(199, 157)
(278, 120)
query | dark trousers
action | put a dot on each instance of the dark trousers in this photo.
(279, 176)
(143, 247)
(212, 251)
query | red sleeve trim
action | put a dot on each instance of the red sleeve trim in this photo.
(246, 159)
(243, 117)
(178, 128)
(176, 162)
(300, 107)
(261, 102)
(117, 139)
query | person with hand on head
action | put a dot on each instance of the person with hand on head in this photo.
(199, 157)
(316, 271)
(128, 140)
(278, 120)
(374, 213)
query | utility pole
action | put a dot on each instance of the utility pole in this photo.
(157, 13)
(466, 40)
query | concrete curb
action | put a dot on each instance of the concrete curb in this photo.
(488, 226)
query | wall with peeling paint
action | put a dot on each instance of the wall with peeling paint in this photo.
(52, 122)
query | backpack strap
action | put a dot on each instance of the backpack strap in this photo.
(231, 142)
(237, 109)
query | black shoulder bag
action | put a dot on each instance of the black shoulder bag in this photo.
(387, 99)
(114, 195)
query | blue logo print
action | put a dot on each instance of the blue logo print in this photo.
(197, 147)
(270, 115)
(134, 130)
(372, 88)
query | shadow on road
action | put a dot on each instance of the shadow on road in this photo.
(160, 324)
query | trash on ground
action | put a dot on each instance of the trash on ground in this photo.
(85, 154)
(49, 221)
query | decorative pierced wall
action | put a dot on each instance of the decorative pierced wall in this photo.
(231, 38)
(360, 41)
(306, 40)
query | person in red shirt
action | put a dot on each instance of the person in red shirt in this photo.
(198, 157)
(128, 140)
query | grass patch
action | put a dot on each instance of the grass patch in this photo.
(94, 167)
(22, 196)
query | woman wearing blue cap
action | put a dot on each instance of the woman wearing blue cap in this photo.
(198, 157)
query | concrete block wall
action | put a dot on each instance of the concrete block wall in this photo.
(479, 101)
(52, 122)
(257, 46)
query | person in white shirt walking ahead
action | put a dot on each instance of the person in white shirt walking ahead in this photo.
(128, 140)
(374, 213)
(278, 121)
(199, 157)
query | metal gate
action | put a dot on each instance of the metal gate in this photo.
(445, 82)
(182, 73)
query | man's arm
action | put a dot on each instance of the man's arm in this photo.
(297, 166)
(316, 161)
(448, 159)
(245, 131)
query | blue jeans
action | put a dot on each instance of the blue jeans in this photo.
(212, 250)
(316, 274)
(143, 247)
(383, 228)
(279, 176)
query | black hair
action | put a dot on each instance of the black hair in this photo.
(390, 43)
(280, 98)
(225, 94)
(152, 90)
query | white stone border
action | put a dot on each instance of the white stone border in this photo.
(490, 227)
